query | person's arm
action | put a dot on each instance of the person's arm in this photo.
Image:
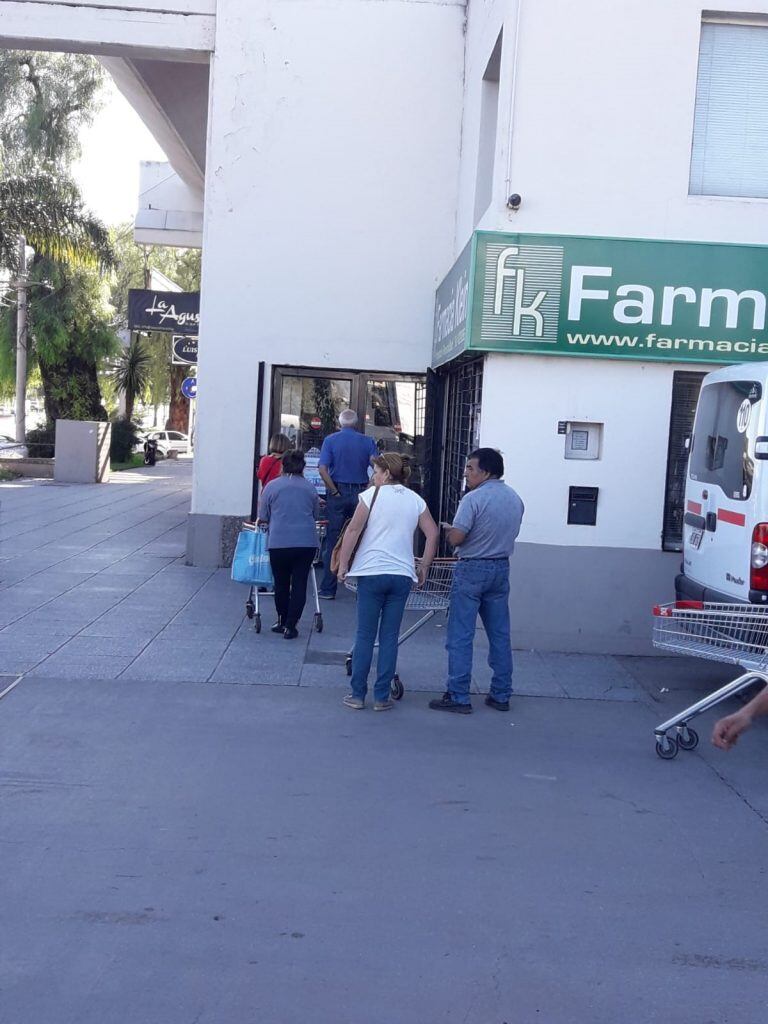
(351, 535)
(261, 472)
(463, 522)
(330, 486)
(265, 503)
(428, 527)
(454, 536)
(727, 730)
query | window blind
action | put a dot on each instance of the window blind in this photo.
(730, 133)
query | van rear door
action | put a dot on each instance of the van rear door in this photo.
(722, 501)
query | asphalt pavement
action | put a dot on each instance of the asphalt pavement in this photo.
(196, 831)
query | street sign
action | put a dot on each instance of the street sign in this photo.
(315, 423)
(189, 387)
(183, 350)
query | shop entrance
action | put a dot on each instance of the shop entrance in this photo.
(391, 409)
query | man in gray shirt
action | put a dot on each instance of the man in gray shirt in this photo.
(484, 529)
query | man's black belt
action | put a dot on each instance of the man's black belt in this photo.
(484, 558)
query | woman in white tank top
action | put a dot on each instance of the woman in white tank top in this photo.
(383, 564)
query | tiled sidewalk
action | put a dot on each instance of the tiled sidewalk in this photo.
(93, 585)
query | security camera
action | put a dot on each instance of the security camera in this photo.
(514, 201)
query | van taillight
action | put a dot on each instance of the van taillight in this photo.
(758, 577)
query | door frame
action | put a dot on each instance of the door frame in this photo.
(358, 379)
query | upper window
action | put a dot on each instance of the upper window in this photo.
(730, 130)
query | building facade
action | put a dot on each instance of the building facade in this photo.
(337, 159)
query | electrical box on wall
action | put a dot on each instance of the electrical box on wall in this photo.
(583, 440)
(582, 506)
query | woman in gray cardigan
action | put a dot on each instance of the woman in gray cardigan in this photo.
(290, 506)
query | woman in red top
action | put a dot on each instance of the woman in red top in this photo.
(271, 466)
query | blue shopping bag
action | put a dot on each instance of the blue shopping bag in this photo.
(251, 562)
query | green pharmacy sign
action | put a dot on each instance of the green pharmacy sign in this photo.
(609, 297)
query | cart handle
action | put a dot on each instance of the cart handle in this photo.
(668, 610)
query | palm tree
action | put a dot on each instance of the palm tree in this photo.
(132, 374)
(48, 210)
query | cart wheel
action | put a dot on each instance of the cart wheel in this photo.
(257, 622)
(250, 609)
(318, 622)
(687, 738)
(397, 689)
(666, 747)
(348, 665)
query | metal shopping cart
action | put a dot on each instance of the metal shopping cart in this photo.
(252, 604)
(432, 598)
(736, 634)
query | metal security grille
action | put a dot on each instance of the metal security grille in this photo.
(685, 394)
(462, 431)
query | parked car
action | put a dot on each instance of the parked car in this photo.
(167, 441)
(10, 449)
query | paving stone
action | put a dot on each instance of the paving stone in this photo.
(192, 660)
(62, 666)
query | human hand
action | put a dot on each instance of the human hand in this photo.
(422, 571)
(727, 730)
(341, 575)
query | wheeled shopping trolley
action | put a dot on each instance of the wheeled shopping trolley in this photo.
(432, 598)
(736, 634)
(252, 604)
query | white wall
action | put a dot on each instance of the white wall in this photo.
(524, 397)
(331, 193)
(602, 123)
(599, 110)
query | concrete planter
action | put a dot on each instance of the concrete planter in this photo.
(36, 468)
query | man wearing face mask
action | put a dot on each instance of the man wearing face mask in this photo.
(483, 533)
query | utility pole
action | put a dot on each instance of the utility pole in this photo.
(21, 343)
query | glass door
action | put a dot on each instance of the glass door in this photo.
(306, 407)
(394, 417)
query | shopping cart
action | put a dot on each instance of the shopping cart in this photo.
(736, 634)
(252, 604)
(432, 598)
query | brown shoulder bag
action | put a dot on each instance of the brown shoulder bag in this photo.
(336, 553)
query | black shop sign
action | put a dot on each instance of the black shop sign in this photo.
(183, 350)
(176, 312)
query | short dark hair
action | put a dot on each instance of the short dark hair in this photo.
(489, 461)
(293, 462)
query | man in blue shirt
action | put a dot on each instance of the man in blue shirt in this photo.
(344, 462)
(484, 529)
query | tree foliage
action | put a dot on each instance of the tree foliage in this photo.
(45, 99)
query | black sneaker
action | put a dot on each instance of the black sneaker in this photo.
(447, 703)
(497, 705)
(278, 627)
(290, 633)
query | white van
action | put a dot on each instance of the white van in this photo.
(725, 533)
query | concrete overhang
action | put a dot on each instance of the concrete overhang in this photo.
(170, 213)
(173, 30)
(172, 101)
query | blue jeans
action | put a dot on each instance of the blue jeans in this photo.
(380, 606)
(338, 510)
(479, 586)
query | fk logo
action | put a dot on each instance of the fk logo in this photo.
(516, 278)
